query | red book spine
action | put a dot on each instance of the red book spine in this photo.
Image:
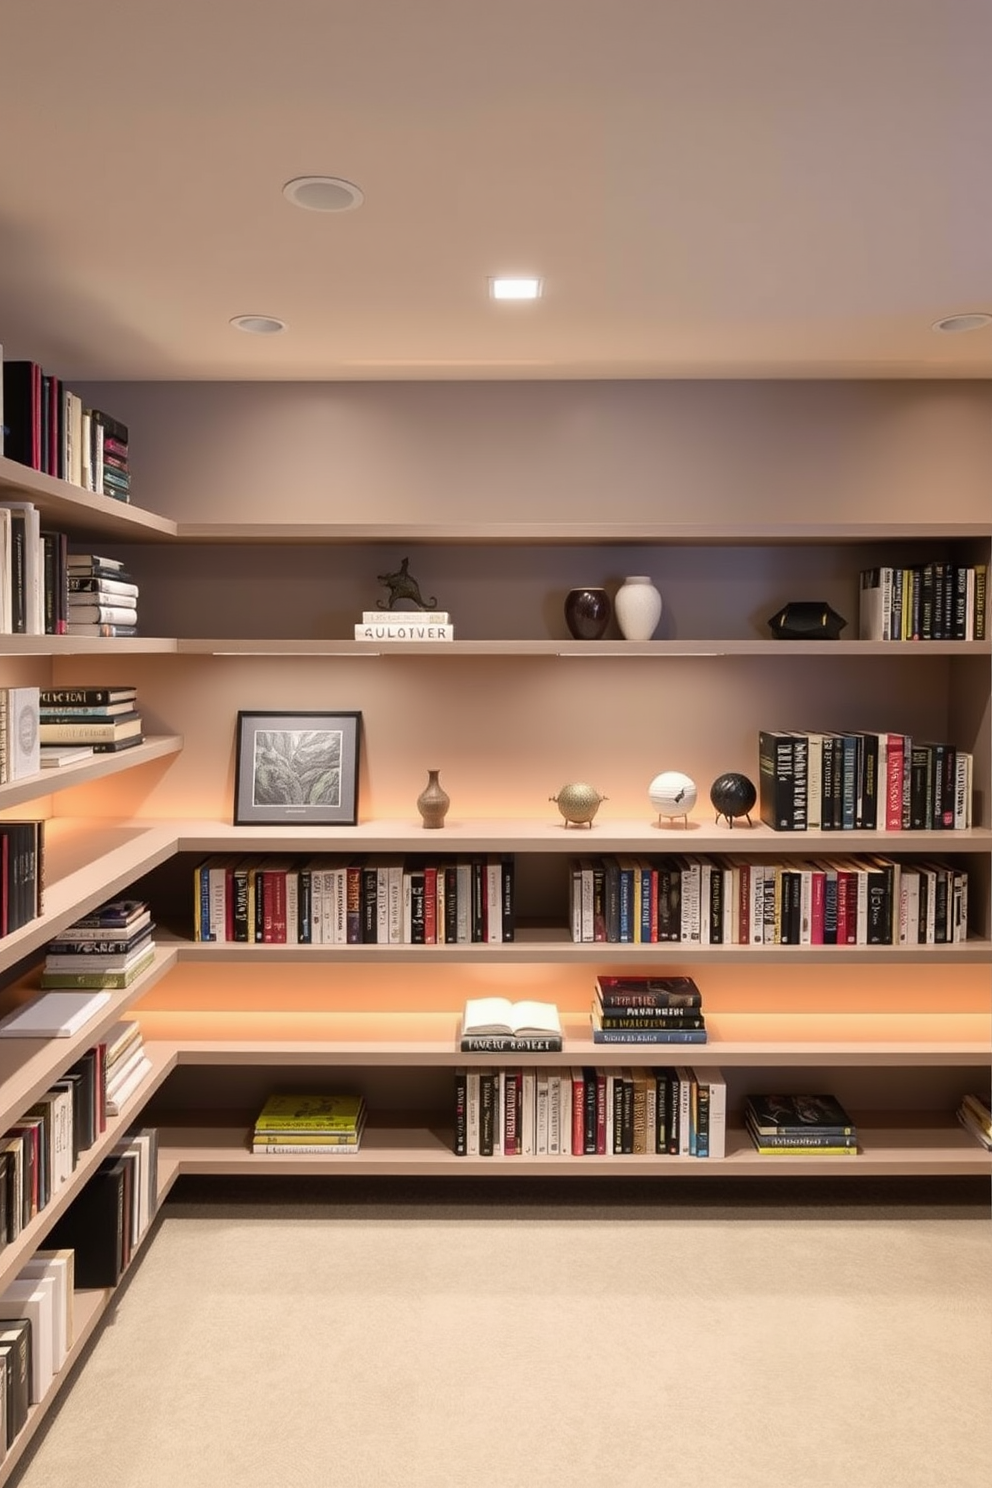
(430, 906)
(894, 768)
(842, 881)
(268, 901)
(818, 886)
(578, 1113)
(278, 935)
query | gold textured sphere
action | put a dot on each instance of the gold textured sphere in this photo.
(578, 803)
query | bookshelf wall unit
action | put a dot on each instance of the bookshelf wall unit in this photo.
(250, 613)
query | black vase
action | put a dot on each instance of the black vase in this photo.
(587, 613)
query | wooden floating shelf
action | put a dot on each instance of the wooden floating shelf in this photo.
(94, 767)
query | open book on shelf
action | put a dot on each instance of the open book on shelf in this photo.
(496, 1025)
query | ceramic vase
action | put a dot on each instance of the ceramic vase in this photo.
(587, 613)
(638, 608)
(433, 801)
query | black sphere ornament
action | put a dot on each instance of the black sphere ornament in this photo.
(733, 795)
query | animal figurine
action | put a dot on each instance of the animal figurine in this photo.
(402, 585)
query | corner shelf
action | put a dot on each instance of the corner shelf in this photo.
(94, 767)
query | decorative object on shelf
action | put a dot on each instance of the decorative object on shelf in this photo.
(298, 768)
(807, 620)
(433, 801)
(638, 608)
(403, 586)
(587, 613)
(578, 803)
(672, 794)
(733, 795)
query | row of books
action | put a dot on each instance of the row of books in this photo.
(327, 900)
(37, 1330)
(587, 1111)
(46, 590)
(975, 1115)
(22, 873)
(46, 426)
(73, 718)
(106, 949)
(800, 1125)
(109, 1216)
(396, 625)
(729, 901)
(319, 1125)
(838, 782)
(925, 602)
(39, 1153)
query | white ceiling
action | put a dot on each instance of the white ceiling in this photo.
(708, 187)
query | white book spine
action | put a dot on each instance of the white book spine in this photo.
(494, 903)
(405, 633)
(472, 1113)
(394, 926)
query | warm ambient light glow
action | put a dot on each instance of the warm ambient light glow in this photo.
(973, 321)
(515, 289)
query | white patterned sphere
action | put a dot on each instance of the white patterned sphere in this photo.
(672, 794)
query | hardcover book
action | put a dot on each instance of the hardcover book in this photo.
(601, 1035)
(777, 1115)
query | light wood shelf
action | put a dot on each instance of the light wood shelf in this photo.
(28, 1066)
(80, 513)
(891, 1143)
(581, 650)
(94, 767)
(56, 646)
(163, 1060)
(430, 1039)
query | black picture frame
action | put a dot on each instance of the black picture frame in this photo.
(297, 768)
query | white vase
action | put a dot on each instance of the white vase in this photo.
(637, 608)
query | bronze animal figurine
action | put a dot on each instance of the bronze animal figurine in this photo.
(402, 585)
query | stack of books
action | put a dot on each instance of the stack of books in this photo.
(647, 1010)
(320, 1125)
(800, 1125)
(103, 597)
(395, 625)
(125, 1064)
(104, 950)
(975, 1115)
(104, 720)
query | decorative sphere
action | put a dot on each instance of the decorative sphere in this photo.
(732, 795)
(672, 794)
(578, 803)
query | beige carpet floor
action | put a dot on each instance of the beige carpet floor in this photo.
(583, 1333)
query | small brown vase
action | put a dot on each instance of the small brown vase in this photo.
(433, 801)
(587, 613)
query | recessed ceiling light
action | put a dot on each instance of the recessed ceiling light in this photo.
(515, 289)
(258, 325)
(970, 322)
(323, 194)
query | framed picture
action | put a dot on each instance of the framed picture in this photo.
(297, 767)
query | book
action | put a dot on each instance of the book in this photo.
(601, 1035)
(55, 1015)
(405, 617)
(646, 992)
(85, 607)
(413, 630)
(99, 979)
(778, 1115)
(22, 732)
(495, 1024)
(85, 697)
(95, 731)
(100, 628)
(118, 915)
(54, 756)
(301, 1113)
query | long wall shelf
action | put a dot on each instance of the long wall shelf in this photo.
(583, 650)
(890, 1143)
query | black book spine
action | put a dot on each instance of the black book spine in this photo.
(370, 904)
(461, 1113)
(450, 904)
(869, 782)
(21, 437)
(417, 921)
(776, 780)
(589, 1112)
